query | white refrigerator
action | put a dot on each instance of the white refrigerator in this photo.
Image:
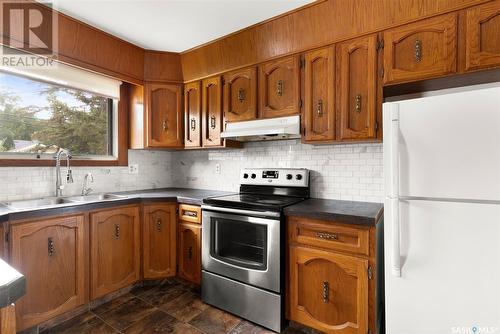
(442, 212)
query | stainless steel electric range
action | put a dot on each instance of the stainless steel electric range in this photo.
(243, 244)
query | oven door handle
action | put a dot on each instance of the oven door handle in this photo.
(242, 212)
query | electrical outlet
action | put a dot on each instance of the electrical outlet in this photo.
(133, 169)
(217, 168)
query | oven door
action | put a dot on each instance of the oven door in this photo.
(242, 247)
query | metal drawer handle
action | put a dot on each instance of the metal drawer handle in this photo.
(193, 124)
(158, 224)
(190, 252)
(319, 108)
(117, 231)
(358, 103)
(418, 51)
(279, 88)
(164, 125)
(190, 213)
(326, 291)
(212, 122)
(241, 95)
(327, 236)
(50, 247)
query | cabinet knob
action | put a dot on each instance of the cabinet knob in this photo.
(241, 95)
(117, 231)
(193, 124)
(319, 108)
(164, 125)
(326, 291)
(418, 51)
(279, 88)
(50, 247)
(158, 224)
(358, 103)
(212, 122)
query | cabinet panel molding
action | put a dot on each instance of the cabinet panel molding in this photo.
(482, 47)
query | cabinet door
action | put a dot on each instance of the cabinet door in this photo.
(240, 95)
(421, 50)
(482, 47)
(51, 254)
(328, 291)
(192, 106)
(190, 252)
(319, 95)
(279, 92)
(164, 115)
(212, 121)
(357, 88)
(115, 249)
(159, 240)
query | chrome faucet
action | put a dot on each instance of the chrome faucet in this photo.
(69, 176)
(85, 189)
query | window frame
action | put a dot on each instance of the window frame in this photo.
(121, 158)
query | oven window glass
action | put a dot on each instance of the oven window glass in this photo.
(239, 243)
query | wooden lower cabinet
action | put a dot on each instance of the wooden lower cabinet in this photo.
(114, 249)
(51, 254)
(328, 291)
(190, 252)
(159, 227)
(331, 283)
(190, 247)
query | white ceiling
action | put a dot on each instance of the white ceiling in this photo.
(173, 25)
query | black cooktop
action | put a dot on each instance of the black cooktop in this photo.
(253, 201)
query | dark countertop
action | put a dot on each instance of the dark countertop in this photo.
(180, 195)
(347, 212)
(12, 284)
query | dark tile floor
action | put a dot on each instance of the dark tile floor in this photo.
(173, 306)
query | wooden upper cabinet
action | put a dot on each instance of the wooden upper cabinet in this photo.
(240, 95)
(159, 228)
(357, 88)
(192, 106)
(164, 115)
(114, 249)
(319, 95)
(421, 50)
(51, 254)
(190, 252)
(279, 87)
(328, 291)
(212, 120)
(482, 46)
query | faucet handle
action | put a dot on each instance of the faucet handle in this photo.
(69, 176)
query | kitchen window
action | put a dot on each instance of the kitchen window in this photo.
(60, 108)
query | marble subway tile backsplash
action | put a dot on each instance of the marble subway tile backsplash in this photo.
(346, 171)
(32, 182)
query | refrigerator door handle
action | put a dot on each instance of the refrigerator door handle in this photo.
(395, 227)
(396, 246)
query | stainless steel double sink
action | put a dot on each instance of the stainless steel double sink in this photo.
(59, 201)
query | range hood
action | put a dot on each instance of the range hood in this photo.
(264, 129)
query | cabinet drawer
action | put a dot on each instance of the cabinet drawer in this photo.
(190, 213)
(327, 235)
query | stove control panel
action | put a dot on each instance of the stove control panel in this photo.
(285, 177)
